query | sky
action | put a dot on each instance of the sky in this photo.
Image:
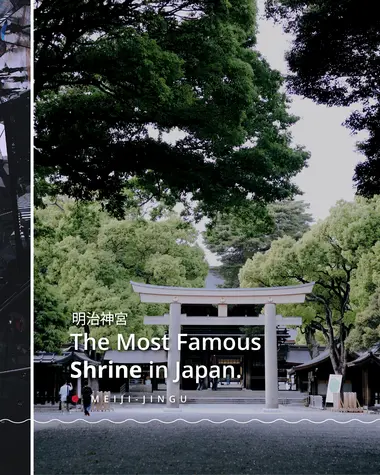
(328, 177)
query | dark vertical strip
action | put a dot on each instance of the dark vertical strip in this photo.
(10, 122)
(15, 301)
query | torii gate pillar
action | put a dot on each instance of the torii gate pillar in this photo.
(174, 356)
(270, 348)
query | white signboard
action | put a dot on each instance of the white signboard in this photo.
(335, 383)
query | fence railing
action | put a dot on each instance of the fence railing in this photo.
(349, 403)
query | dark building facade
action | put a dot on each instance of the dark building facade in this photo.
(362, 376)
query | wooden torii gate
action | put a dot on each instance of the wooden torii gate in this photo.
(269, 296)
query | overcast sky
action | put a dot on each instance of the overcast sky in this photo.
(328, 177)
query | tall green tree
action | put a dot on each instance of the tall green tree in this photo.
(239, 236)
(113, 77)
(50, 317)
(366, 296)
(89, 259)
(334, 60)
(329, 255)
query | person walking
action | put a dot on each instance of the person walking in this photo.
(64, 394)
(86, 398)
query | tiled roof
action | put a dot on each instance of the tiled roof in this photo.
(364, 358)
(298, 356)
(45, 358)
(53, 358)
(325, 355)
(360, 357)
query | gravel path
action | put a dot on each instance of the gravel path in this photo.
(206, 448)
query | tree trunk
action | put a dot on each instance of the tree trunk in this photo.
(311, 342)
(338, 358)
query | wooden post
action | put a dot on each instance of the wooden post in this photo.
(337, 403)
(365, 387)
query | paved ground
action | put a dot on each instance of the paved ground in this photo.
(200, 448)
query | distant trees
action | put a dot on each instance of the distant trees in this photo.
(239, 236)
(86, 259)
(50, 316)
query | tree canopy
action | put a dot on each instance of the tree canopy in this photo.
(333, 254)
(237, 237)
(366, 295)
(334, 61)
(87, 260)
(170, 99)
(50, 316)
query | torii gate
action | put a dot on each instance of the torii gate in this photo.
(269, 296)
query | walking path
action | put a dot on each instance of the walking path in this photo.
(205, 413)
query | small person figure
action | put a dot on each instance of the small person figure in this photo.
(64, 394)
(86, 398)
